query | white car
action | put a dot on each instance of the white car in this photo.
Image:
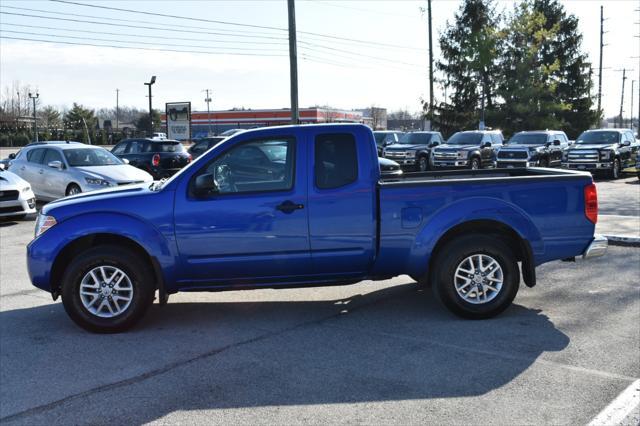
(56, 170)
(16, 197)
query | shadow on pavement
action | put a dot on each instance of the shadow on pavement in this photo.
(389, 345)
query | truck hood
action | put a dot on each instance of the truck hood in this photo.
(404, 147)
(586, 146)
(117, 173)
(109, 195)
(446, 147)
(517, 147)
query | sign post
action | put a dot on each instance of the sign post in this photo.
(178, 120)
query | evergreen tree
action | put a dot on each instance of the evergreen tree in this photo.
(469, 63)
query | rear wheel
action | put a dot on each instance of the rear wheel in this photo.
(107, 289)
(476, 276)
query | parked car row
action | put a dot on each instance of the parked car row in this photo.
(603, 150)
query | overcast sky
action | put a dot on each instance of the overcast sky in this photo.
(387, 69)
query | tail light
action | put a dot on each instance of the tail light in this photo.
(155, 160)
(591, 202)
(189, 158)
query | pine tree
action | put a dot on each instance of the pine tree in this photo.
(469, 63)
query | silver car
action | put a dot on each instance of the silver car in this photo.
(55, 170)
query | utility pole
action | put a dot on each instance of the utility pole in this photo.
(631, 118)
(600, 68)
(35, 120)
(624, 77)
(117, 109)
(430, 67)
(150, 83)
(293, 62)
(208, 100)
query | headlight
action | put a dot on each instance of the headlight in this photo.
(26, 189)
(43, 223)
(96, 181)
(605, 155)
(463, 154)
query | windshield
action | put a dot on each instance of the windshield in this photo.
(528, 139)
(379, 138)
(90, 157)
(462, 138)
(598, 138)
(415, 138)
(165, 147)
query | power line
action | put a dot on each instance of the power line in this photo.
(138, 48)
(360, 54)
(190, 18)
(162, 43)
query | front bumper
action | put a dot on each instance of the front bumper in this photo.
(450, 163)
(25, 204)
(597, 247)
(510, 164)
(587, 166)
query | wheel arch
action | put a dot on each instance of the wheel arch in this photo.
(78, 245)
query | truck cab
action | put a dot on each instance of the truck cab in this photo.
(471, 149)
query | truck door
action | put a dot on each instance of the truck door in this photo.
(342, 203)
(254, 228)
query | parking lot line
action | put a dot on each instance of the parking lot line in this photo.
(616, 412)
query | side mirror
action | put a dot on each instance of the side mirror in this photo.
(557, 142)
(2, 167)
(205, 184)
(55, 164)
(12, 156)
(625, 143)
(125, 161)
(434, 143)
(486, 145)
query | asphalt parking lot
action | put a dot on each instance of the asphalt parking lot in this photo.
(382, 352)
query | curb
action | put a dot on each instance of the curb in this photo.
(623, 240)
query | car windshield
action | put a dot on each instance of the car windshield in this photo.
(462, 138)
(598, 138)
(415, 138)
(83, 157)
(528, 139)
(165, 147)
(379, 138)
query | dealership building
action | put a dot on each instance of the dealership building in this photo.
(216, 122)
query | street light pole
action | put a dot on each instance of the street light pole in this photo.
(150, 83)
(208, 100)
(117, 109)
(35, 120)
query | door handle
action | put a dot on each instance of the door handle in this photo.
(22, 168)
(289, 207)
(41, 171)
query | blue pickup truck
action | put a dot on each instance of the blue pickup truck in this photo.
(306, 206)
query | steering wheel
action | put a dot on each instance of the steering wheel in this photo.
(224, 179)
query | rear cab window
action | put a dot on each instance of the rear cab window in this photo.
(165, 146)
(336, 160)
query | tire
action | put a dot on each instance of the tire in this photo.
(423, 163)
(455, 255)
(475, 164)
(73, 189)
(543, 163)
(615, 169)
(137, 285)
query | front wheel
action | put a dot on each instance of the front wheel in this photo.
(73, 189)
(107, 289)
(474, 164)
(615, 169)
(423, 164)
(476, 276)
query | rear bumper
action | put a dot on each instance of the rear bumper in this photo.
(597, 247)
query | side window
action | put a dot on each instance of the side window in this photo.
(486, 138)
(495, 139)
(258, 166)
(336, 160)
(35, 155)
(51, 155)
(120, 148)
(135, 147)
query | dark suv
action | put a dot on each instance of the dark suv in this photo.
(385, 138)
(536, 148)
(413, 149)
(473, 149)
(160, 158)
(200, 146)
(603, 150)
